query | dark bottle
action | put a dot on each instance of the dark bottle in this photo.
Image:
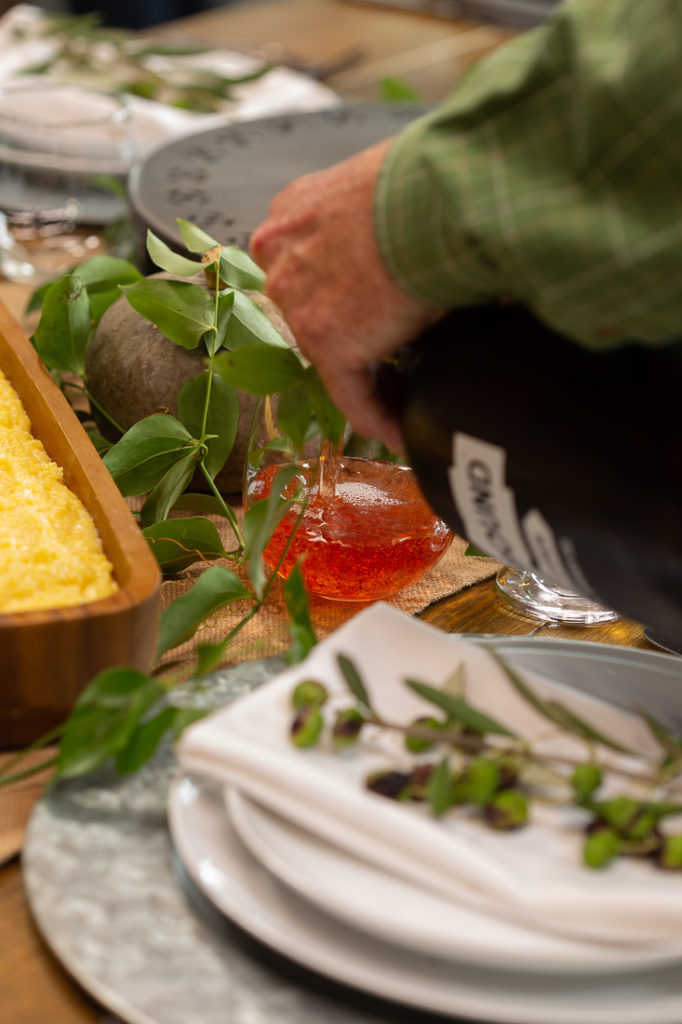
(550, 456)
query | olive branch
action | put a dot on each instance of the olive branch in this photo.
(480, 766)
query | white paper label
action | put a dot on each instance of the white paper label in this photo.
(546, 556)
(486, 505)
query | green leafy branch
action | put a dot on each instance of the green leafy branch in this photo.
(123, 713)
(483, 768)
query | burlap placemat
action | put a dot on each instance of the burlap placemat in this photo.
(267, 632)
(17, 801)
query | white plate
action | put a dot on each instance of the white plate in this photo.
(241, 888)
(396, 911)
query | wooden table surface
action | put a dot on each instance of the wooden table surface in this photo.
(430, 54)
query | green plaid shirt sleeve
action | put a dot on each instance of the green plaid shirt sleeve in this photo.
(553, 175)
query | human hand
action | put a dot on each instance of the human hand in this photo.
(325, 272)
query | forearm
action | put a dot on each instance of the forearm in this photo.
(567, 196)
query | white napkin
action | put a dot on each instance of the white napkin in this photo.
(532, 876)
(280, 90)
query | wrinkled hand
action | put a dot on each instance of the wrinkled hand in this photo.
(324, 271)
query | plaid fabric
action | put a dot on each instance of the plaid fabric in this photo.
(552, 174)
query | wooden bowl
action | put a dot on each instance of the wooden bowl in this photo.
(47, 657)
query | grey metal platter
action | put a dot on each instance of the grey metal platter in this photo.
(224, 179)
(119, 912)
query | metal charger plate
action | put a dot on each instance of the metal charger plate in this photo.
(104, 890)
(224, 179)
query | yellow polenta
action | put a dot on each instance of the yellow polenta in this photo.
(50, 552)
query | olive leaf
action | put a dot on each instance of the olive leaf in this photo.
(146, 452)
(63, 331)
(165, 258)
(556, 712)
(104, 718)
(239, 270)
(671, 745)
(215, 588)
(182, 311)
(259, 369)
(301, 631)
(221, 421)
(455, 682)
(439, 788)
(353, 679)
(177, 543)
(459, 710)
(163, 496)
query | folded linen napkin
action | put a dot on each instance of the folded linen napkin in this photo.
(280, 90)
(532, 876)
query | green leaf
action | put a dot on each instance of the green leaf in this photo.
(670, 744)
(395, 90)
(225, 310)
(182, 311)
(352, 679)
(250, 325)
(439, 788)
(301, 630)
(207, 504)
(177, 543)
(215, 588)
(101, 276)
(556, 712)
(99, 442)
(209, 656)
(260, 522)
(570, 722)
(62, 334)
(455, 682)
(238, 270)
(294, 413)
(165, 258)
(104, 718)
(222, 420)
(169, 488)
(331, 421)
(146, 452)
(194, 238)
(185, 717)
(473, 552)
(460, 710)
(144, 741)
(260, 369)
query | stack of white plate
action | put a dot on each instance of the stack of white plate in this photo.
(357, 923)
